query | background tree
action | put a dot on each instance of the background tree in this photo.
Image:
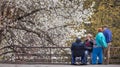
(106, 12)
(40, 23)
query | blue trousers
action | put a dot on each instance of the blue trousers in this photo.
(97, 52)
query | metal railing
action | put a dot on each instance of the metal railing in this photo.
(114, 55)
(47, 55)
(60, 55)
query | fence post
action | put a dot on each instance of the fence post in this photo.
(50, 55)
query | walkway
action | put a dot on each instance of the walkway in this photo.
(41, 65)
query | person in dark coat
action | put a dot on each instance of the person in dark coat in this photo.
(77, 50)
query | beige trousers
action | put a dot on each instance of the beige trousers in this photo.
(107, 53)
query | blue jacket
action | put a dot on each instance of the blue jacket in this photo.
(108, 35)
(100, 40)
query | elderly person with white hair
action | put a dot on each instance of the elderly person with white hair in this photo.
(88, 44)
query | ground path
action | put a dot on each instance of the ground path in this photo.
(43, 65)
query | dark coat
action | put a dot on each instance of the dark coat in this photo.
(88, 45)
(77, 48)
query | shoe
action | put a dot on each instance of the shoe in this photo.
(99, 63)
(73, 64)
(83, 64)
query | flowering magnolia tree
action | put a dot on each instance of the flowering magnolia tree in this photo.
(41, 22)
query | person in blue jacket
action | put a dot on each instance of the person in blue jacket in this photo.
(108, 36)
(77, 49)
(98, 47)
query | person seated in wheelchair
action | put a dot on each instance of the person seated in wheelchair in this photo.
(77, 50)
